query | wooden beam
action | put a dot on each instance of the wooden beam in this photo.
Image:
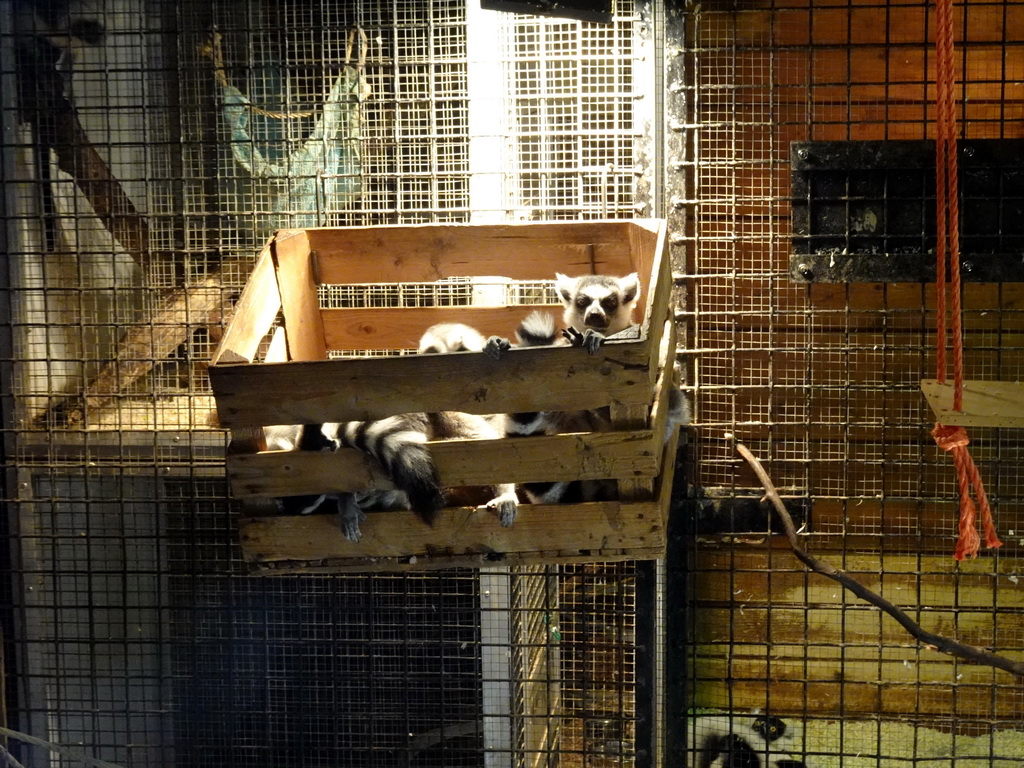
(461, 535)
(253, 315)
(296, 282)
(580, 456)
(179, 312)
(368, 388)
(427, 252)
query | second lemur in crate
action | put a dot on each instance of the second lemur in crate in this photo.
(398, 443)
(596, 308)
(537, 330)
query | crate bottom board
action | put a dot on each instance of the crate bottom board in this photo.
(464, 536)
(461, 536)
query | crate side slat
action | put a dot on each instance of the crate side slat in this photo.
(425, 252)
(296, 281)
(401, 327)
(355, 389)
(665, 479)
(653, 418)
(660, 294)
(254, 313)
(666, 383)
(596, 530)
(580, 456)
(277, 352)
(647, 245)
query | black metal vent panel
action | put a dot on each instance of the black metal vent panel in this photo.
(864, 211)
(583, 10)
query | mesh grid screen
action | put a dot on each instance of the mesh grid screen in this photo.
(822, 383)
(131, 630)
(149, 150)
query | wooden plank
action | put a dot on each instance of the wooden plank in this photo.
(635, 417)
(929, 582)
(460, 535)
(427, 252)
(651, 246)
(401, 327)
(666, 382)
(366, 388)
(372, 564)
(985, 403)
(665, 480)
(798, 688)
(178, 312)
(653, 417)
(580, 456)
(277, 352)
(296, 281)
(256, 309)
(813, 631)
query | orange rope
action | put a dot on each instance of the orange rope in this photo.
(954, 440)
(942, 161)
(947, 204)
(947, 187)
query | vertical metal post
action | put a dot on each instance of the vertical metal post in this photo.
(678, 195)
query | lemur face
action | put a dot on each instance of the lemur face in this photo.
(599, 302)
(771, 728)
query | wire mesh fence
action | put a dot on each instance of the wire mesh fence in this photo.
(822, 382)
(149, 151)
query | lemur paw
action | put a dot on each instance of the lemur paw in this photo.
(312, 438)
(589, 339)
(496, 346)
(506, 506)
(351, 516)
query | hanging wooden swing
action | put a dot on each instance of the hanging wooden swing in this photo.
(949, 433)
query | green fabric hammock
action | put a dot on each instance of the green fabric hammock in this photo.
(320, 176)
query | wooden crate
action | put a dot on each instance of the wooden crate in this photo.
(272, 367)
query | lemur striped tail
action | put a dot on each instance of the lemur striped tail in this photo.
(537, 330)
(398, 443)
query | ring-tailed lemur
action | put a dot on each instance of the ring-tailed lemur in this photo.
(538, 329)
(741, 741)
(398, 443)
(459, 337)
(596, 307)
(451, 337)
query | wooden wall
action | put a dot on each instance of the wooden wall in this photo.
(822, 381)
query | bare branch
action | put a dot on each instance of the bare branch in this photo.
(937, 642)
